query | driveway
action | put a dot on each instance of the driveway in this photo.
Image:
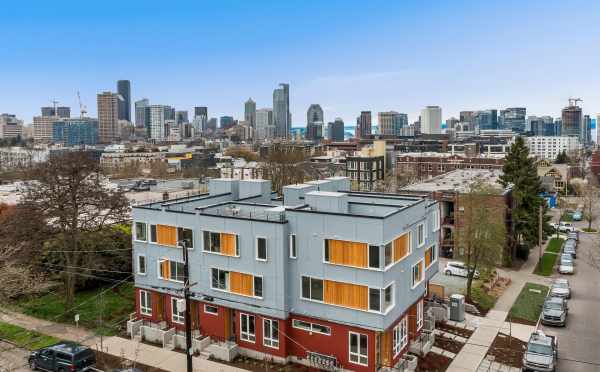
(453, 284)
(578, 341)
(13, 359)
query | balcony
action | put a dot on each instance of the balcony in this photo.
(448, 221)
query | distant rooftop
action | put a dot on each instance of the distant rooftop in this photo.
(459, 180)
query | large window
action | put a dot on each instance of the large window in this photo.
(220, 279)
(293, 247)
(141, 265)
(140, 231)
(221, 243)
(419, 314)
(312, 289)
(374, 257)
(349, 253)
(153, 234)
(258, 286)
(212, 242)
(311, 327)
(388, 297)
(177, 310)
(417, 273)
(400, 336)
(381, 299)
(359, 347)
(436, 219)
(170, 270)
(209, 309)
(430, 255)
(186, 235)
(389, 254)
(145, 303)
(420, 234)
(271, 333)
(247, 329)
(261, 249)
(375, 299)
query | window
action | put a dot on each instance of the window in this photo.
(293, 248)
(419, 314)
(388, 297)
(221, 243)
(186, 235)
(358, 352)
(312, 289)
(326, 251)
(271, 333)
(177, 310)
(311, 327)
(374, 257)
(261, 249)
(220, 279)
(212, 242)
(177, 273)
(141, 264)
(389, 254)
(436, 219)
(375, 299)
(258, 286)
(420, 234)
(209, 309)
(247, 330)
(145, 303)
(430, 255)
(140, 231)
(153, 234)
(400, 336)
(417, 273)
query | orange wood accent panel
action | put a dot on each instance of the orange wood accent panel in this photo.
(166, 235)
(228, 242)
(165, 269)
(386, 348)
(226, 322)
(428, 257)
(241, 283)
(347, 253)
(345, 294)
(401, 247)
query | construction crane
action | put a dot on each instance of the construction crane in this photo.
(573, 101)
(54, 103)
(82, 108)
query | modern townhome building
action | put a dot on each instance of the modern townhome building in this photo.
(322, 276)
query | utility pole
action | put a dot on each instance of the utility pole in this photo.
(540, 231)
(186, 296)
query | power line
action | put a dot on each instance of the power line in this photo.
(84, 275)
(93, 251)
(88, 268)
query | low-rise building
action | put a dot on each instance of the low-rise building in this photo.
(10, 126)
(20, 157)
(367, 166)
(548, 147)
(421, 166)
(323, 277)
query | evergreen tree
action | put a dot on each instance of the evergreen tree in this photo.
(520, 171)
(562, 158)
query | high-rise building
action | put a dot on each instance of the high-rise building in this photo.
(467, 117)
(200, 111)
(108, 117)
(181, 117)
(42, 128)
(200, 119)
(169, 113)
(513, 118)
(431, 120)
(60, 111)
(75, 132)
(314, 122)
(363, 125)
(335, 130)
(486, 119)
(157, 121)
(571, 120)
(212, 124)
(282, 118)
(586, 130)
(124, 90)
(390, 123)
(250, 112)
(141, 119)
(10, 126)
(226, 122)
(264, 124)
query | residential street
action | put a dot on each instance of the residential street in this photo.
(12, 359)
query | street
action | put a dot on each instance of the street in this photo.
(13, 359)
(579, 350)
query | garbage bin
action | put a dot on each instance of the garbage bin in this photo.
(457, 307)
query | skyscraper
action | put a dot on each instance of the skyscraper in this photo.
(431, 120)
(141, 119)
(571, 120)
(363, 125)
(181, 117)
(156, 121)
(513, 118)
(335, 130)
(486, 119)
(200, 111)
(60, 111)
(264, 123)
(108, 117)
(124, 90)
(314, 122)
(226, 122)
(390, 123)
(250, 112)
(586, 130)
(281, 111)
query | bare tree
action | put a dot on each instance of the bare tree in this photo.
(481, 230)
(591, 198)
(282, 167)
(67, 200)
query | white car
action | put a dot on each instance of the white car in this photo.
(458, 269)
(566, 227)
(565, 268)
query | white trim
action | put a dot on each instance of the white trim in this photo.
(420, 314)
(293, 246)
(435, 255)
(150, 233)
(148, 299)
(137, 265)
(352, 266)
(181, 319)
(237, 243)
(247, 334)
(209, 312)
(135, 237)
(228, 290)
(420, 244)
(179, 239)
(436, 219)
(158, 273)
(311, 330)
(256, 249)
(400, 336)
(357, 354)
(410, 250)
(422, 272)
(274, 342)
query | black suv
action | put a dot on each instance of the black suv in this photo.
(62, 357)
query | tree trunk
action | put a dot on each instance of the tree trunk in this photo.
(469, 286)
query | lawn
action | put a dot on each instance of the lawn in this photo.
(548, 260)
(528, 305)
(554, 245)
(113, 306)
(567, 217)
(24, 338)
(484, 301)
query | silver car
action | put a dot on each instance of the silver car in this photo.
(555, 311)
(560, 288)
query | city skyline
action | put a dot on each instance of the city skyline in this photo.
(403, 71)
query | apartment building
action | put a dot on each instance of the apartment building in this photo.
(548, 147)
(323, 276)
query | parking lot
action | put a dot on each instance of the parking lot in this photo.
(579, 341)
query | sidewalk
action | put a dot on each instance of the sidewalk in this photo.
(135, 351)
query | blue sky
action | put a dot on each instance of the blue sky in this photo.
(346, 55)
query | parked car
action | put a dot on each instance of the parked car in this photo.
(541, 354)
(62, 357)
(577, 215)
(566, 268)
(555, 311)
(573, 235)
(567, 259)
(571, 242)
(560, 288)
(458, 269)
(570, 250)
(566, 227)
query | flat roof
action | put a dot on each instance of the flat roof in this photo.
(459, 180)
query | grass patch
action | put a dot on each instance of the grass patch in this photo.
(567, 217)
(25, 338)
(113, 306)
(592, 230)
(483, 300)
(547, 265)
(554, 245)
(528, 305)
